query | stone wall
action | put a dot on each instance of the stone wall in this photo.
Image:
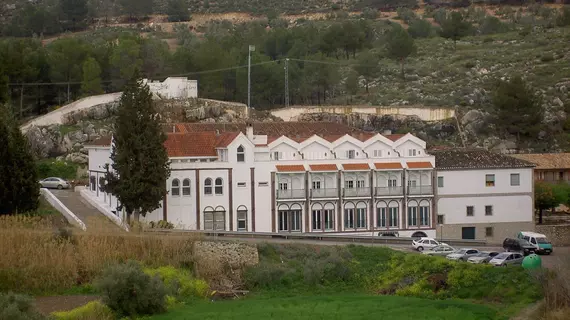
(500, 231)
(558, 234)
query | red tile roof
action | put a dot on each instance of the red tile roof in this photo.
(419, 165)
(323, 167)
(101, 142)
(356, 166)
(224, 139)
(395, 137)
(290, 168)
(388, 165)
(198, 144)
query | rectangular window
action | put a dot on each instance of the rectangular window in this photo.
(412, 183)
(412, 216)
(393, 216)
(412, 152)
(488, 231)
(350, 154)
(317, 222)
(440, 219)
(175, 191)
(208, 190)
(349, 184)
(316, 185)
(424, 216)
(515, 179)
(283, 220)
(360, 184)
(470, 211)
(242, 220)
(283, 186)
(329, 219)
(263, 184)
(440, 182)
(296, 220)
(381, 217)
(361, 218)
(392, 183)
(276, 155)
(241, 184)
(349, 218)
(488, 210)
(209, 220)
(490, 180)
(377, 153)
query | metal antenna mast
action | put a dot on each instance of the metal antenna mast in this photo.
(287, 83)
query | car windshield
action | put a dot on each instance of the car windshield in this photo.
(462, 251)
(483, 254)
(502, 255)
(524, 242)
(542, 240)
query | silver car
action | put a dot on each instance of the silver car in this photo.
(463, 254)
(504, 259)
(54, 182)
(441, 251)
(482, 257)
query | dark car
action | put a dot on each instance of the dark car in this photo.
(518, 245)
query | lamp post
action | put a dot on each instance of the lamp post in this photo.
(251, 49)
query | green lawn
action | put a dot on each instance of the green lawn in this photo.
(345, 307)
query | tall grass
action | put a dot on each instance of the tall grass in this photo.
(37, 258)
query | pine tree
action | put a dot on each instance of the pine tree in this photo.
(455, 27)
(91, 83)
(368, 67)
(19, 189)
(140, 164)
(400, 45)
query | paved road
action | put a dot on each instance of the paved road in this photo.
(93, 219)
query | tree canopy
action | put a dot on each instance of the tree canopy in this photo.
(549, 195)
(400, 45)
(455, 27)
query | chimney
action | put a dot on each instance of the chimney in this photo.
(217, 133)
(249, 131)
(387, 132)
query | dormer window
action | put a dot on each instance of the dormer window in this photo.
(350, 154)
(412, 152)
(240, 154)
(276, 155)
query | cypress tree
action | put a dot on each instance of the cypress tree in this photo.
(19, 189)
(140, 164)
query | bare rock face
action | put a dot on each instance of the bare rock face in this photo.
(222, 263)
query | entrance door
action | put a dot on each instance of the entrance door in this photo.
(468, 233)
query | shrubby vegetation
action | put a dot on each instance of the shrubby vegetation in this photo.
(53, 168)
(17, 307)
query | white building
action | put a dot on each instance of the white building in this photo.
(174, 88)
(319, 177)
(483, 195)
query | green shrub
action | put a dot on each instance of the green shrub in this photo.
(406, 14)
(54, 168)
(17, 307)
(420, 28)
(129, 291)
(492, 25)
(94, 310)
(161, 224)
(180, 283)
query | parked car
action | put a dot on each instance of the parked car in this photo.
(504, 259)
(538, 240)
(54, 182)
(388, 234)
(482, 257)
(441, 251)
(518, 245)
(425, 243)
(463, 254)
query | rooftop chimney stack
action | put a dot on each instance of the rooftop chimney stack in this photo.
(387, 132)
(249, 131)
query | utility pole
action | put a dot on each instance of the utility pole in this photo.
(251, 49)
(287, 83)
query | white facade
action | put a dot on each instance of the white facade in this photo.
(174, 88)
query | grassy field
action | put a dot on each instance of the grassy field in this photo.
(340, 306)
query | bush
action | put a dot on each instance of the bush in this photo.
(180, 283)
(420, 28)
(129, 291)
(492, 25)
(54, 168)
(161, 224)
(407, 15)
(17, 307)
(94, 310)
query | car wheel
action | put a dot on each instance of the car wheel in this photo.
(420, 249)
(59, 186)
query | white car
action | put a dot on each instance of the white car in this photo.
(426, 243)
(441, 251)
(54, 182)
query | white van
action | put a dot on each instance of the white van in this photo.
(539, 241)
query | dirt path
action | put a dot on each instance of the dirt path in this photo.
(47, 305)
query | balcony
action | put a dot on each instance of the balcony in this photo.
(291, 194)
(356, 192)
(324, 193)
(389, 191)
(420, 191)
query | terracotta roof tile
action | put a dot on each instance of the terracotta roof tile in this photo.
(546, 161)
(388, 165)
(198, 144)
(476, 159)
(290, 168)
(101, 142)
(419, 165)
(224, 139)
(395, 137)
(356, 166)
(323, 167)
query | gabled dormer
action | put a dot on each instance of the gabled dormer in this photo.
(315, 147)
(410, 146)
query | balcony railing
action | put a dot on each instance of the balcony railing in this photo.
(324, 193)
(291, 194)
(389, 191)
(420, 190)
(356, 192)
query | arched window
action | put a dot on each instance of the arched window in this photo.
(175, 190)
(240, 154)
(242, 218)
(219, 186)
(208, 186)
(186, 187)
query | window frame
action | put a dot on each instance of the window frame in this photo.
(490, 182)
(240, 154)
(241, 219)
(175, 187)
(489, 232)
(440, 182)
(518, 179)
(186, 189)
(488, 210)
(467, 211)
(208, 186)
(381, 216)
(219, 187)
